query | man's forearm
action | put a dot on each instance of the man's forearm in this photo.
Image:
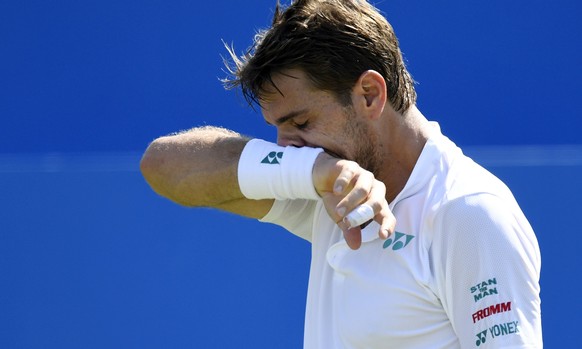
(200, 167)
(195, 168)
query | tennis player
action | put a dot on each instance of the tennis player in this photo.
(414, 245)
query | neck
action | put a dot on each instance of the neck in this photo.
(402, 144)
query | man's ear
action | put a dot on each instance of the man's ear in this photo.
(369, 94)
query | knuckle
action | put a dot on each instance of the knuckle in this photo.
(379, 185)
(347, 173)
(367, 174)
(377, 206)
(360, 192)
(352, 166)
(379, 190)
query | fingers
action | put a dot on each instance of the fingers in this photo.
(346, 176)
(387, 223)
(353, 237)
(364, 199)
(352, 197)
(359, 215)
(351, 225)
(356, 185)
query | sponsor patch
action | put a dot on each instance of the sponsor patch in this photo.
(484, 289)
(499, 330)
(491, 310)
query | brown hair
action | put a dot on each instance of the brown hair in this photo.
(333, 42)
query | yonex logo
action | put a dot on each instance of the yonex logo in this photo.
(481, 338)
(498, 330)
(400, 241)
(272, 158)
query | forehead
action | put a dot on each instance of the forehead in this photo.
(290, 90)
(286, 83)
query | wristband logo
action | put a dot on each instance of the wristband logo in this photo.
(273, 158)
(398, 242)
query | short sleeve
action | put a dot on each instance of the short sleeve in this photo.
(294, 215)
(486, 263)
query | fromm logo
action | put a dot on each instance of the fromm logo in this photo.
(491, 310)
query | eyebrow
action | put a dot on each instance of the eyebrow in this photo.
(283, 119)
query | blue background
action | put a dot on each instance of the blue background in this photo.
(90, 257)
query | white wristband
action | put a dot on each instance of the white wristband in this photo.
(268, 171)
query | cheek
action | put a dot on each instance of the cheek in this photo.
(349, 133)
(336, 144)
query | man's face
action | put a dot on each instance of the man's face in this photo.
(305, 116)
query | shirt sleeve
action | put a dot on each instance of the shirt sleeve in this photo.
(486, 265)
(294, 215)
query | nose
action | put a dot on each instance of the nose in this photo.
(285, 140)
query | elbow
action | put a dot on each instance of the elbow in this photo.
(148, 165)
(149, 161)
(153, 167)
(165, 168)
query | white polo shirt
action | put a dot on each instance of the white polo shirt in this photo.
(461, 271)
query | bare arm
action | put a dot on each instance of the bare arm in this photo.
(198, 168)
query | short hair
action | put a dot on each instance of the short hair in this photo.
(333, 42)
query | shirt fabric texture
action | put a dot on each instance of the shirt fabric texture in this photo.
(461, 271)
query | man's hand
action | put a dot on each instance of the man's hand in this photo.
(344, 185)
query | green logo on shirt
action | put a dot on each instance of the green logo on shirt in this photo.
(484, 289)
(398, 241)
(273, 158)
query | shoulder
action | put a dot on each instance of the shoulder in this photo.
(484, 228)
(477, 210)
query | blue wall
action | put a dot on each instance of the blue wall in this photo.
(92, 258)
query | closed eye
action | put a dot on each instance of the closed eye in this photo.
(302, 125)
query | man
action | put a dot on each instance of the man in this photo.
(413, 244)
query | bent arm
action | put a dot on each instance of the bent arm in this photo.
(198, 168)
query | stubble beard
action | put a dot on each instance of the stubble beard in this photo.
(366, 146)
